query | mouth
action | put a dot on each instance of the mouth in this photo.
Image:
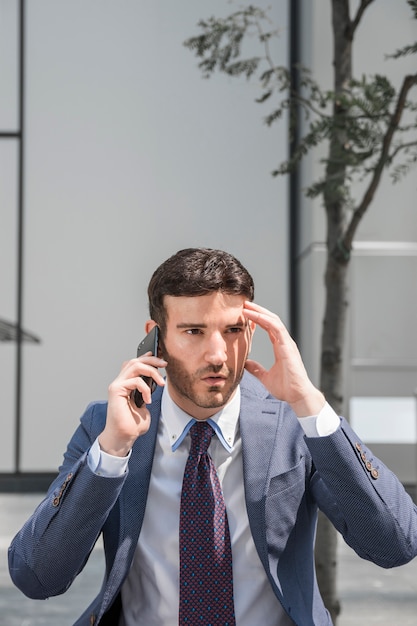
(215, 381)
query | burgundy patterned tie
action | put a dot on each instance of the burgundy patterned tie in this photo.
(206, 578)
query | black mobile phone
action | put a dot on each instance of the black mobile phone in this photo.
(148, 344)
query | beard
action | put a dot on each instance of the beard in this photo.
(186, 384)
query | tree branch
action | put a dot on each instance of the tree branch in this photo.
(408, 82)
(265, 41)
(308, 106)
(304, 102)
(359, 14)
(403, 146)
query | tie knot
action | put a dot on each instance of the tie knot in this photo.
(201, 434)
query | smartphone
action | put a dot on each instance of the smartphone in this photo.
(148, 344)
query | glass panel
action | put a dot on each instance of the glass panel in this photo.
(9, 65)
(384, 420)
(8, 161)
(384, 307)
(8, 234)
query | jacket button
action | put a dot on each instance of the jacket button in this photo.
(374, 473)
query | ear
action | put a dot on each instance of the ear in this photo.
(149, 325)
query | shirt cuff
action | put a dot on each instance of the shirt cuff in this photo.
(104, 464)
(325, 423)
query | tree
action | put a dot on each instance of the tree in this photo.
(368, 127)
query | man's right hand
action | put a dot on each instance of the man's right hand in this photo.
(125, 422)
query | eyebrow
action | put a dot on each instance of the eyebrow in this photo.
(240, 324)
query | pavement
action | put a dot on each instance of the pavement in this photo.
(368, 594)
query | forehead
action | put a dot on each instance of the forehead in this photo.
(216, 306)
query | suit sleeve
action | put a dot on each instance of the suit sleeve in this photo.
(364, 500)
(54, 544)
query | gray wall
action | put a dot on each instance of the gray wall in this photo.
(130, 155)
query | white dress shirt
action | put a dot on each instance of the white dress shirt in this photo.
(150, 594)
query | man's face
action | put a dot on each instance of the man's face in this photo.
(206, 344)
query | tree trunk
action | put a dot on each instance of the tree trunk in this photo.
(334, 321)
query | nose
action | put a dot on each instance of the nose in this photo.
(216, 349)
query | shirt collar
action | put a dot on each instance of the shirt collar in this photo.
(178, 422)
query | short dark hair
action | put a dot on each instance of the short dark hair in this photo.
(196, 272)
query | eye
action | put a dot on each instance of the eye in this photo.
(234, 330)
(193, 331)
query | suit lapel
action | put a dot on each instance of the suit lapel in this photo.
(259, 424)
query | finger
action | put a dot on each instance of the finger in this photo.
(142, 383)
(255, 368)
(148, 359)
(252, 306)
(260, 315)
(144, 394)
(267, 320)
(143, 366)
(124, 387)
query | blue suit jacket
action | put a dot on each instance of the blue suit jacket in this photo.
(287, 476)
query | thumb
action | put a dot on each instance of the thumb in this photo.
(255, 368)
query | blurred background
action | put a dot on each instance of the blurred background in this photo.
(115, 153)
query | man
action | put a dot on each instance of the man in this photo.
(280, 453)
